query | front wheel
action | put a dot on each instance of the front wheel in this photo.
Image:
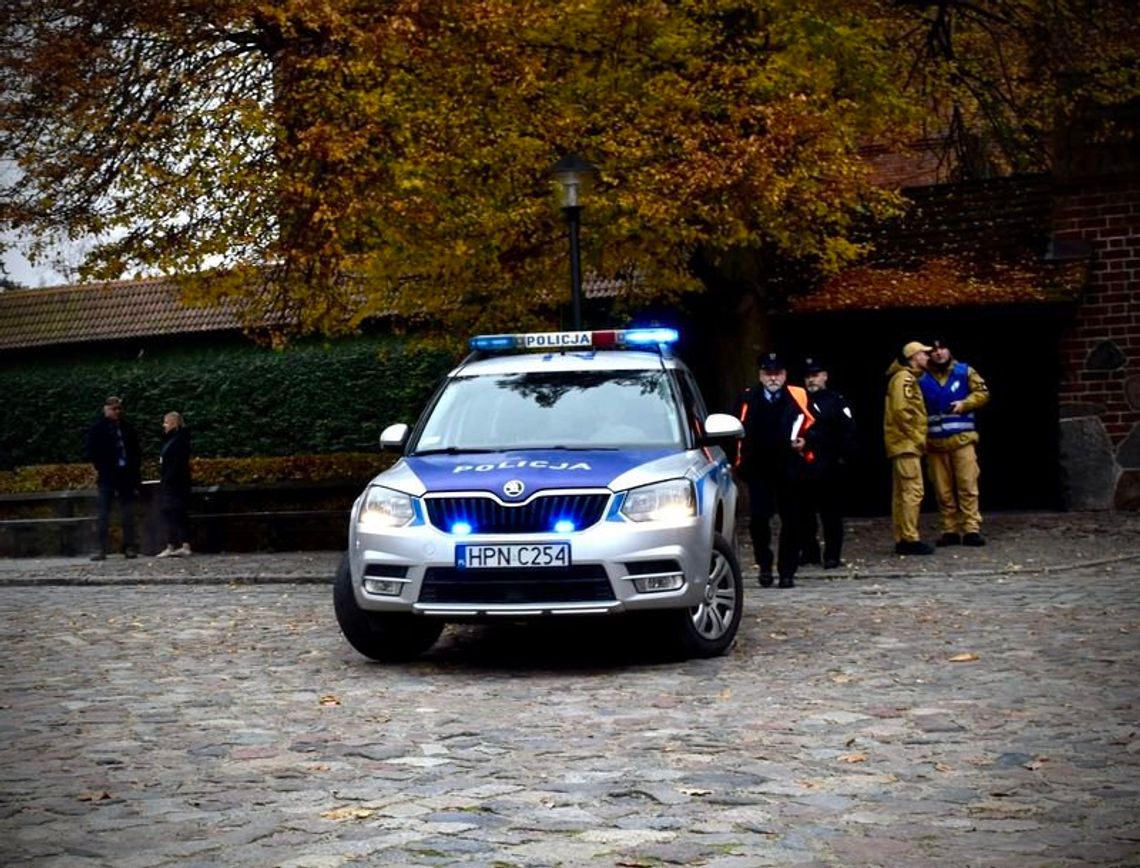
(709, 628)
(383, 636)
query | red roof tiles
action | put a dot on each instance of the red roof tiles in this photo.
(103, 311)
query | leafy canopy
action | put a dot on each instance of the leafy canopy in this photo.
(320, 161)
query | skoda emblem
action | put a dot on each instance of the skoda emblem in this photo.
(513, 488)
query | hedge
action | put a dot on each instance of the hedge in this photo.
(341, 467)
(238, 400)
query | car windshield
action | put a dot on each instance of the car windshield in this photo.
(550, 410)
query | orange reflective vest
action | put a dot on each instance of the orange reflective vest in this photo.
(799, 395)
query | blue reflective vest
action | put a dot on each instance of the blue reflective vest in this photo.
(940, 422)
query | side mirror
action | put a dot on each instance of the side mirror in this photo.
(722, 426)
(394, 437)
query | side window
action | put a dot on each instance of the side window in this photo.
(694, 405)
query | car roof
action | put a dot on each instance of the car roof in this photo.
(586, 360)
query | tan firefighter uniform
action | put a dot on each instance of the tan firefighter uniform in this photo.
(904, 434)
(951, 454)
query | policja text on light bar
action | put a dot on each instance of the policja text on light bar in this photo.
(575, 340)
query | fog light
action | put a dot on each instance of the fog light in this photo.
(654, 584)
(384, 587)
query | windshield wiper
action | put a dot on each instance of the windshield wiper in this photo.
(451, 450)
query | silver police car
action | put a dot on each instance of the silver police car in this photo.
(552, 474)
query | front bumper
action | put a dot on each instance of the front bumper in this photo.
(607, 559)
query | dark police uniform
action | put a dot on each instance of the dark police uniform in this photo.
(830, 444)
(774, 473)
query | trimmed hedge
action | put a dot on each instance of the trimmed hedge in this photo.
(341, 467)
(238, 400)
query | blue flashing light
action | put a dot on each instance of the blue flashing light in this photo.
(564, 526)
(461, 528)
(642, 337)
(493, 342)
(655, 336)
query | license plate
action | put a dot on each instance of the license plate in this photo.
(512, 556)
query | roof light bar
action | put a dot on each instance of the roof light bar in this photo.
(645, 337)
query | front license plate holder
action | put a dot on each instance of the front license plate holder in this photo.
(508, 556)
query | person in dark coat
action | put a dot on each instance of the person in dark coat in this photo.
(112, 446)
(174, 492)
(771, 460)
(831, 444)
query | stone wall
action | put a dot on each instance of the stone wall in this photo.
(1100, 353)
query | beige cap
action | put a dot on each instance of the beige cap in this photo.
(915, 347)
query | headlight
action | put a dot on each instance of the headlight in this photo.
(383, 508)
(662, 501)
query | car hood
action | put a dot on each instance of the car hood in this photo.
(536, 469)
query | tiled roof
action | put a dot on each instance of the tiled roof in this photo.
(967, 244)
(123, 309)
(103, 311)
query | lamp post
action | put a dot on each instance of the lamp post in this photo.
(573, 174)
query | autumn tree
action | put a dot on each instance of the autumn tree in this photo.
(1000, 81)
(329, 160)
(321, 161)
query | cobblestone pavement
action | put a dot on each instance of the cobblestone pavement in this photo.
(974, 708)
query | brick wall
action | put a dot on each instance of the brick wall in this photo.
(1100, 352)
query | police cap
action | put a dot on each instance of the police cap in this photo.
(770, 362)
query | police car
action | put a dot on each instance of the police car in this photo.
(551, 475)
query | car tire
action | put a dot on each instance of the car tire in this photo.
(709, 629)
(382, 636)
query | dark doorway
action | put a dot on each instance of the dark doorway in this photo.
(1015, 348)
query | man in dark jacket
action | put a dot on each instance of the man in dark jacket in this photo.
(112, 446)
(830, 444)
(775, 419)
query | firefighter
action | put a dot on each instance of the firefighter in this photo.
(904, 433)
(953, 391)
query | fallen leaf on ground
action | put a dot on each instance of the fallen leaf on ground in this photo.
(968, 657)
(329, 699)
(347, 814)
(725, 694)
(942, 767)
(841, 679)
(853, 758)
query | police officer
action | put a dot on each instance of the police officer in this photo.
(776, 419)
(953, 391)
(904, 434)
(829, 445)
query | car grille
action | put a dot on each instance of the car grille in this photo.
(580, 583)
(487, 515)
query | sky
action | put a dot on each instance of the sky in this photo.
(24, 273)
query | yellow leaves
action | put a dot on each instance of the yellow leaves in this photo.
(329, 700)
(966, 657)
(853, 758)
(348, 813)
